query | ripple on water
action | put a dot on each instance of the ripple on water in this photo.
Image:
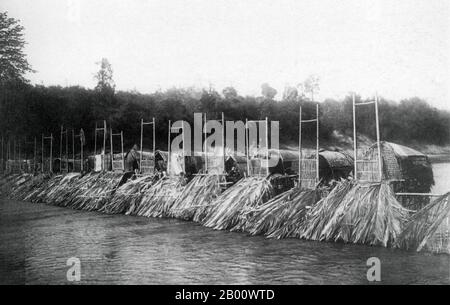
(36, 241)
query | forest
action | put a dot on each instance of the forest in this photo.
(28, 111)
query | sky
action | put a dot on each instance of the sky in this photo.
(398, 49)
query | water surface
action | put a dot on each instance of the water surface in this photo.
(36, 240)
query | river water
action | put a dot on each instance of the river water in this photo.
(36, 241)
(441, 172)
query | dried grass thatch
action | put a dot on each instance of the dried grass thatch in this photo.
(321, 213)
(195, 200)
(9, 182)
(20, 185)
(94, 191)
(128, 194)
(21, 191)
(158, 198)
(429, 228)
(62, 192)
(41, 194)
(283, 215)
(368, 214)
(228, 211)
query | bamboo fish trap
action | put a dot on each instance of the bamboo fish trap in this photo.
(126, 196)
(429, 228)
(228, 211)
(283, 215)
(368, 214)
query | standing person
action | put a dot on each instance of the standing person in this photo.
(132, 159)
(131, 164)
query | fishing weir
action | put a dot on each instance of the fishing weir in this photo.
(378, 196)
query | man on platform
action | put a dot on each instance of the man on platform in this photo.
(131, 164)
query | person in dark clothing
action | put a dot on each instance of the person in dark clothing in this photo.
(131, 164)
(132, 159)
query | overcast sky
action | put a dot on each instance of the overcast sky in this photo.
(398, 48)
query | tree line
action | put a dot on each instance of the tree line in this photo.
(27, 111)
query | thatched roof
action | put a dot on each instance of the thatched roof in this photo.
(401, 151)
(238, 159)
(337, 159)
(401, 163)
(284, 154)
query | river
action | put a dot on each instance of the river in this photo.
(441, 172)
(36, 241)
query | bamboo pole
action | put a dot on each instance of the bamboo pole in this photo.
(182, 151)
(154, 140)
(380, 164)
(67, 151)
(141, 143)
(14, 150)
(95, 139)
(300, 160)
(81, 149)
(223, 144)
(205, 144)
(51, 153)
(35, 155)
(20, 155)
(168, 149)
(354, 138)
(247, 152)
(123, 158)
(419, 194)
(111, 144)
(73, 150)
(267, 146)
(60, 148)
(104, 145)
(9, 154)
(42, 153)
(317, 144)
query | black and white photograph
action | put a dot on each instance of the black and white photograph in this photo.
(224, 149)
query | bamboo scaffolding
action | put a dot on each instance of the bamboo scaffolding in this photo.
(101, 129)
(146, 166)
(308, 165)
(117, 166)
(367, 165)
(50, 154)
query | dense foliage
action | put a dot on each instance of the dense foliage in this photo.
(28, 111)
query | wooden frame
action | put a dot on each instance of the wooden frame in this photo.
(51, 153)
(205, 147)
(64, 132)
(250, 171)
(143, 163)
(34, 143)
(117, 165)
(81, 160)
(355, 151)
(301, 161)
(101, 129)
